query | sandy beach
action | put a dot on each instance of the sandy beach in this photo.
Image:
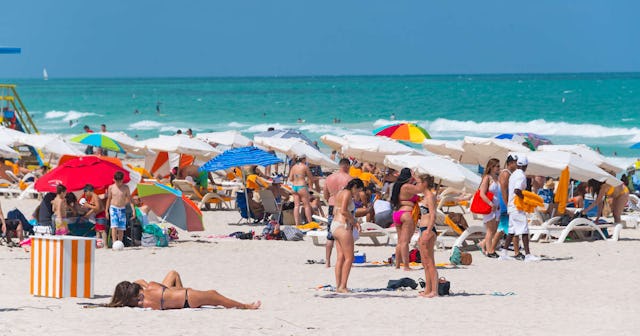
(579, 288)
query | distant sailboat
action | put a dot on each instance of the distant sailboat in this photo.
(45, 75)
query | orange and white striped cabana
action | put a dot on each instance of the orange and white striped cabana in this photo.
(62, 266)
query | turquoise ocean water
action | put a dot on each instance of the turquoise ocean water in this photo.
(596, 109)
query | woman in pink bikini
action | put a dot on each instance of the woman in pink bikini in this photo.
(404, 198)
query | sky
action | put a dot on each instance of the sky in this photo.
(158, 38)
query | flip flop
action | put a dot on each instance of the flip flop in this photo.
(503, 294)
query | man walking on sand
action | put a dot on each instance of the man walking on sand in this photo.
(332, 186)
(118, 197)
(518, 225)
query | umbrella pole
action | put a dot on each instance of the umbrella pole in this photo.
(246, 194)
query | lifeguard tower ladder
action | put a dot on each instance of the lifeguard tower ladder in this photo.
(15, 116)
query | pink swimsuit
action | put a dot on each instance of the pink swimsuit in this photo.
(397, 215)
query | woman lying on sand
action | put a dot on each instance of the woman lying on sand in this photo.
(170, 294)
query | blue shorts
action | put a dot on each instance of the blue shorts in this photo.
(118, 217)
(504, 223)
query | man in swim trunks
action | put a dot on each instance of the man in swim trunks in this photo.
(332, 186)
(118, 197)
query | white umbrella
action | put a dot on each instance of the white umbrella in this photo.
(333, 141)
(48, 143)
(294, 147)
(586, 153)
(180, 144)
(450, 148)
(373, 148)
(8, 135)
(552, 163)
(480, 150)
(227, 138)
(8, 152)
(444, 170)
(129, 144)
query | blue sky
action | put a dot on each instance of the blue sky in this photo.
(131, 38)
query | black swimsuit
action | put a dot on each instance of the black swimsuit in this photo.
(425, 211)
(186, 299)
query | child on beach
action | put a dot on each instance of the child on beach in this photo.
(59, 205)
(96, 214)
(118, 197)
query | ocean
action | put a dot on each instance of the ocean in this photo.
(595, 109)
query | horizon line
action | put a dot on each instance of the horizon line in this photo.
(344, 75)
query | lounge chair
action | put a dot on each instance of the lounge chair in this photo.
(245, 213)
(204, 201)
(551, 229)
(270, 205)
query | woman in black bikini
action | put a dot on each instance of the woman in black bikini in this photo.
(170, 294)
(428, 235)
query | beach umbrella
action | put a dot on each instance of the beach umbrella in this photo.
(134, 176)
(553, 163)
(10, 136)
(237, 157)
(227, 138)
(129, 144)
(403, 132)
(530, 140)
(444, 170)
(8, 152)
(285, 133)
(294, 147)
(333, 141)
(76, 173)
(98, 140)
(586, 153)
(479, 150)
(450, 148)
(171, 205)
(635, 146)
(47, 143)
(372, 148)
(179, 144)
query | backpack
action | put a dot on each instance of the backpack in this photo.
(414, 255)
(291, 233)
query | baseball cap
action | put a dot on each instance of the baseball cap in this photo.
(522, 161)
(512, 158)
(277, 179)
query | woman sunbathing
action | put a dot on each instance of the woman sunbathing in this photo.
(170, 294)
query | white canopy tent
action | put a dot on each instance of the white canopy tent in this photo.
(181, 144)
(227, 138)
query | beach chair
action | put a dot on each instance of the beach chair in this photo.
(245, 213)
(583, 229)
(204, 201)
(270, 205)
(378, 235)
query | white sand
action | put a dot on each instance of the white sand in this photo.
(591, 288)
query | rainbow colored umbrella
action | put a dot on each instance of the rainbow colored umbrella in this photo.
(404, 132)
(171, 205)
(98, 140)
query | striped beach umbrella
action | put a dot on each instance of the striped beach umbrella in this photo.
(98, 140)
(171, 205)
(404, 132)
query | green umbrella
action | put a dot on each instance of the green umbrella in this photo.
(98, 140)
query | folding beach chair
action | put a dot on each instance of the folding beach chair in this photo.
(270, 205)
(241, 205)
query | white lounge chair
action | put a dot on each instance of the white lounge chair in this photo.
(551, 230)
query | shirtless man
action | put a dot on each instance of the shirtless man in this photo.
(333, 184)
(59, 206)
(118, 197)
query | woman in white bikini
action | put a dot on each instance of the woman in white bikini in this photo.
(300, 176)
(344, 222)
(490, 184)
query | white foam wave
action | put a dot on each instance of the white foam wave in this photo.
(384, 122)
(68, 115)
(332, 129)
(263, 127)
(539, 126)
(236, 124)
(145, 125)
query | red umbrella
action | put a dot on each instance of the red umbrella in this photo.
(75, 174)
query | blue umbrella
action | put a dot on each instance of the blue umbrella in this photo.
(237, 157)
(635, 145)
(242, 156)
(286, 133)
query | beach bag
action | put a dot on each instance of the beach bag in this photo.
(291, 233)
(148, 240)
(443, 286)
(479, 206)
(414, 255)
(460, 258)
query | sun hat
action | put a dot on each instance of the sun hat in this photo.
(277, 179)
(522, 161)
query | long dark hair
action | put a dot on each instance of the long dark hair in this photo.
(125, 295)
(595, 186)
(404, 177)
(356, 182)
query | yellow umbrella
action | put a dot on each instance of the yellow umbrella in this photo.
(562, 192)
